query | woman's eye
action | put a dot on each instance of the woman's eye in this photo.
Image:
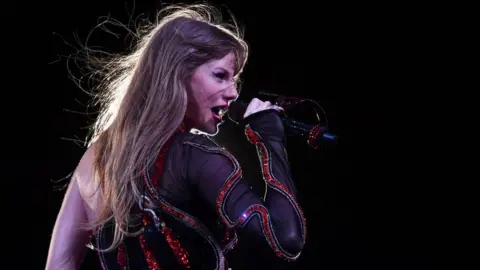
(220, 75)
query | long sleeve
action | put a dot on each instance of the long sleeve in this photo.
(217, 177)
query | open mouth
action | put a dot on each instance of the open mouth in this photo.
(219, 111)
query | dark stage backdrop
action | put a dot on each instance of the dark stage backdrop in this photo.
(372, 202)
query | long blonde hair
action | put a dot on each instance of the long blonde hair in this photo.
(143, 102)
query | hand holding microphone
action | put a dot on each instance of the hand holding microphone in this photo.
(256, 105)
(315, 135)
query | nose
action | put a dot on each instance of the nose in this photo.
(231, 93)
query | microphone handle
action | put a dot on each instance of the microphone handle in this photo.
(315, 135)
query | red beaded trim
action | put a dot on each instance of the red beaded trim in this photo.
(228, 186)
(188, 220)
(267, 228)
(178, 250)
(230, 238)
(312, 136)
(180, 253)
(151, 261)
(264, 156)
(122, 258)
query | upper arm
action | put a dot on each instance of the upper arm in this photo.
(219, 182)
(69, 238)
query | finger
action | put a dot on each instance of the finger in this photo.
(264, 105)
(252, 106)
(278, 108)
(255, 102)
(251, 110)
(255, 105)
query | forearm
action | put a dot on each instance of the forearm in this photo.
(217, 175)
(280, 199)
(273, 160)
(265, 131)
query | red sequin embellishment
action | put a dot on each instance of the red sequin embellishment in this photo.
(251, 136)
(159, 163)
(312, 136)
(263, 153)
(146, 220)
(180, 253)
(122, 256)
(271, 180)
(151, 262)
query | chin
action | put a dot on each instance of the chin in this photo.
(213, 130)
(209, 129)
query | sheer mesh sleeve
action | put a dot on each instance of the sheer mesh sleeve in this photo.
(218, 179)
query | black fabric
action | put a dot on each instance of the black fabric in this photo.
(195, 170)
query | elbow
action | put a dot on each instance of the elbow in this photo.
(292, 243)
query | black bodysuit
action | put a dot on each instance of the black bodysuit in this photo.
(201, 208)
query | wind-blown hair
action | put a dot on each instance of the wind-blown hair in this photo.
(143, 102)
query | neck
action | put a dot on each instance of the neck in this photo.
(186, 125)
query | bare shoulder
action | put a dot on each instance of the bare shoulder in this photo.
(84, 175)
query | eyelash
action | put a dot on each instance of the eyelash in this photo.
(220, 75)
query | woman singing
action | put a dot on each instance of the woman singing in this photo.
(150, 193)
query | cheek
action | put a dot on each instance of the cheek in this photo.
(204, 92)
(196, 105)
(196, 88)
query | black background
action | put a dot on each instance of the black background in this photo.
(387, 197)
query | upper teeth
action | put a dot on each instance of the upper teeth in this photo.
(222, 111)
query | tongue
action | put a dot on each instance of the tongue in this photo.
(216, 116)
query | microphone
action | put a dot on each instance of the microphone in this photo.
(314, 134)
